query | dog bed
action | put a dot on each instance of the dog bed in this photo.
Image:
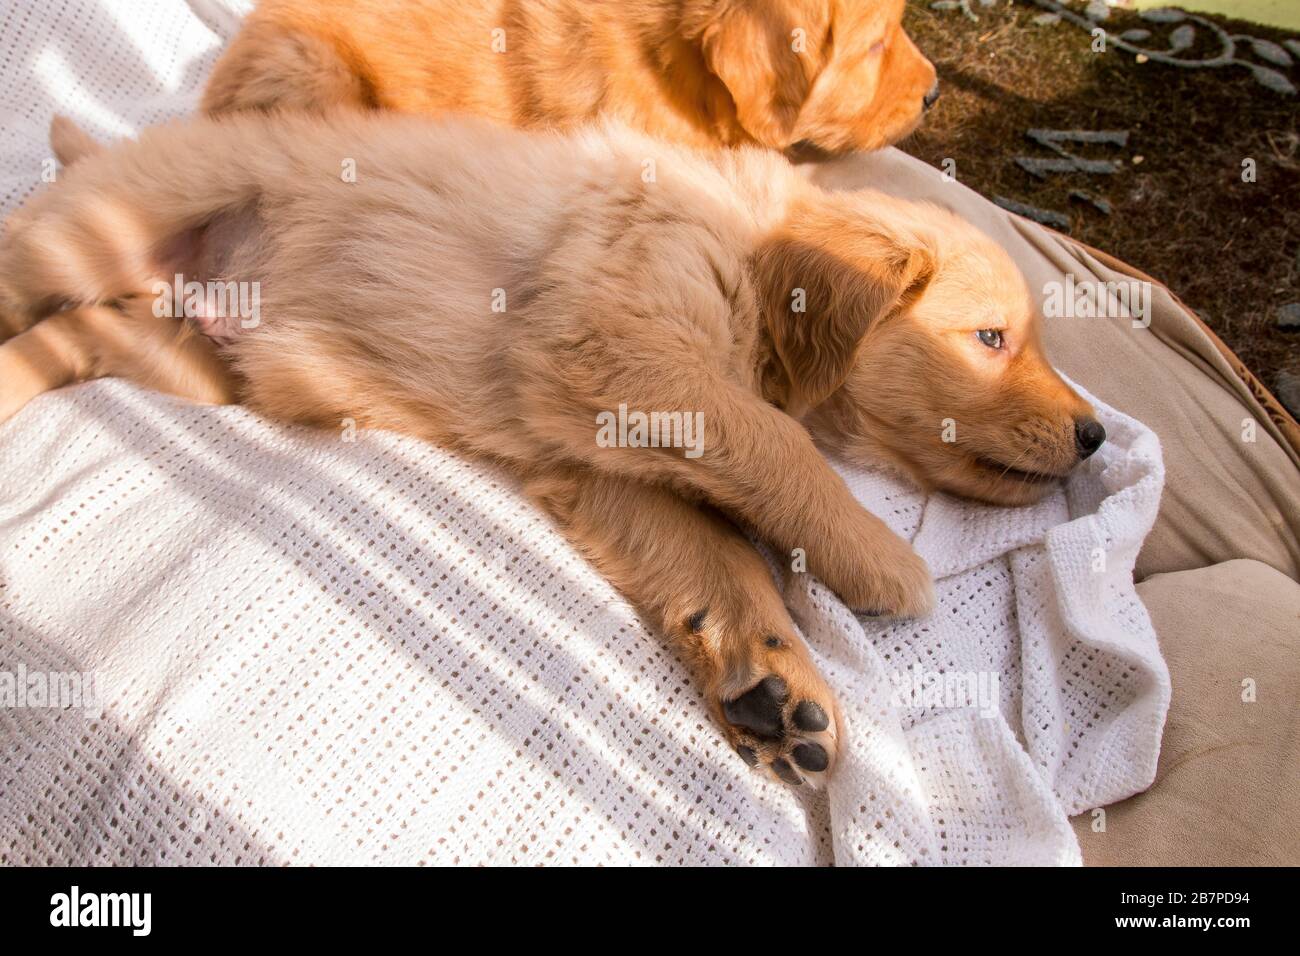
(316, 651)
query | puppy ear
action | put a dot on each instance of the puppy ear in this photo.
(818, 303)
(763, 60)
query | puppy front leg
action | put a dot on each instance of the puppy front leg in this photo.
(698, 580)
(760, 465)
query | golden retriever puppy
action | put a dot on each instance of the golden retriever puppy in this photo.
(510, 294)
(819, 75)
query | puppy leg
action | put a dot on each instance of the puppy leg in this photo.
(70, 143)
(11, 324)
(696, 578)
(46, 356)
(126, 218)
(760, 466)
(96, 341)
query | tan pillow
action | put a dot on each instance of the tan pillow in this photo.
(1226, 789)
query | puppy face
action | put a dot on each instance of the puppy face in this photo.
(873, 85)
(919, 344)
(821, 76)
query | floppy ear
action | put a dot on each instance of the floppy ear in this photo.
(765, 61)
(819, 305)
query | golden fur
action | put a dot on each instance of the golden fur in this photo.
(725, 283)
(829, 75)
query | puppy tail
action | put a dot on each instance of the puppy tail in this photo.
(70, 142)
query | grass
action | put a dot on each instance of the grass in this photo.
(1181, 212)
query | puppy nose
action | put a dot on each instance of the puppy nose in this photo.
(931, 95)
(1088, 436)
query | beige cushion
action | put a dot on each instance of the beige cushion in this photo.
(1226, 788)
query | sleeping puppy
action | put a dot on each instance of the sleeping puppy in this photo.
(505, 293)
(817, 75)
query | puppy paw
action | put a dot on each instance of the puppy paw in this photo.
(792, 736)
(881, 576)
(773, 705)
(899, 586)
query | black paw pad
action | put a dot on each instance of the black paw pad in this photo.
(809, 716)
(811, 757)
(786, 772)
(748, 755)
(759, 708)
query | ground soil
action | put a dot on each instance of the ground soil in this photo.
(1181, 211)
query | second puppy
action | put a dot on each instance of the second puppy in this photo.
(818, 76)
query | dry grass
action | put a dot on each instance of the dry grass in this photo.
(1230, 249)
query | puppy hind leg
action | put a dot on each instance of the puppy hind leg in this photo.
(87, 255)
(96, 341)
(70, 144)
(46, 356)
(111, 228)
(161, 353)
(11, 323)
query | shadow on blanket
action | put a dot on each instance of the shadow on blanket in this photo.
(90, 810)
(634, 750)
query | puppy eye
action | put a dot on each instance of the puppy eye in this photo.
(990, 337)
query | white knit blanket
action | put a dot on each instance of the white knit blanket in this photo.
(304, 649)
